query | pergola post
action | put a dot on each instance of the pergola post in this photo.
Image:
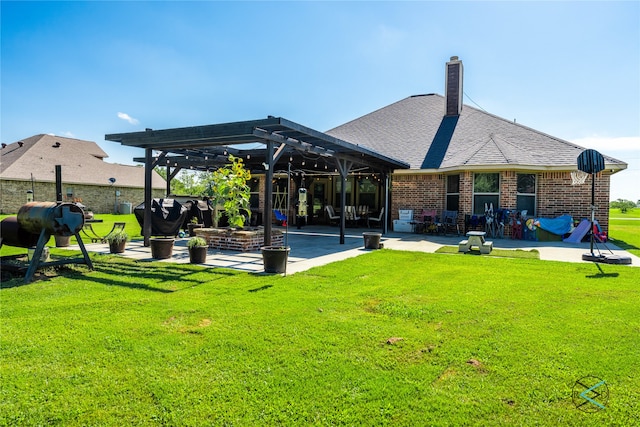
(385, 220)
(344, 166)
(148, 170)
(268, 194)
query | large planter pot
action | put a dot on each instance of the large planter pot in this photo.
(372, 240)
(275, 258)
(192, 227)
(117, 247)
(161, 247)
(198, 254)
(62, 241)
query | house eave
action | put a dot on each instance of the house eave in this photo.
(612, 168)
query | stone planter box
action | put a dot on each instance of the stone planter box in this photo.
(245, 240)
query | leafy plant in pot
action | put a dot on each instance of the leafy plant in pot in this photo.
(117, 241)
(229, 188)
(197, 250)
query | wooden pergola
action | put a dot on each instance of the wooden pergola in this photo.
(276, 143)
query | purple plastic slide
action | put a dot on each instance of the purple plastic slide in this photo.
(580, 231)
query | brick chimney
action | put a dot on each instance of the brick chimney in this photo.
(453, 87)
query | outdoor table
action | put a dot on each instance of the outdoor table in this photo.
(475, 238)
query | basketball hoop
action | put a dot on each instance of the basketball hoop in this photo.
(578, 177)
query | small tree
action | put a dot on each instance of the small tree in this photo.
(229, 185)
(623, 205)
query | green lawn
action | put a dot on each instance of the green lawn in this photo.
(387, 338)
(625, 230)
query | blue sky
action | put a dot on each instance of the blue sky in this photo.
(85, 69)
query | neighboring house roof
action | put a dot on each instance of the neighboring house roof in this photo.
(415, 130)
(81, 161)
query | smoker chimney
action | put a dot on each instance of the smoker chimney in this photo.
(453, 87)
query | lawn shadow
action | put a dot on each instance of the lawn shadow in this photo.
(623, 245)
(261, 288)
(120, 274)
(601, 273)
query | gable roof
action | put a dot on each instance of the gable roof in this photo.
(81, 161)
(416, 131)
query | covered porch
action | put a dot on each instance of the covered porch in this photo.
(338, 173)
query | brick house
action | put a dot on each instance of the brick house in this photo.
(463, 157)
(29, 165)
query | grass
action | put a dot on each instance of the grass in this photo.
(502, 253)
(387, 338)
(132, 228)
(625, 230)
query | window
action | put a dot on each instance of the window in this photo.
(486, 191)
(347, 191)
(254, 196)
(367, 193)
(453, 192)
(526, 193)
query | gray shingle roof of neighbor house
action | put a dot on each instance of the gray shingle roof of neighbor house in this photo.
(81, 161)
(415, 130)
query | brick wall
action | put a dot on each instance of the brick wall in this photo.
(100, 199)
(555, 194)
(242, 241)
(417, 192)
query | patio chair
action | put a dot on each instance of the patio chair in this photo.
(489, 225)
(331, 214)
(87, 230)
(516, 225)
(351, 215)
(430, 220)
(363, 212)
(450, 221)
(379, 219)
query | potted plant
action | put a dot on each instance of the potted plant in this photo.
(117, 241)
(192, 225)
(62, 241)
(161, 247)
(197, 250)
(230, 190)
(275, 258)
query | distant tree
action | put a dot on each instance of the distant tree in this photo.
(186, 182)
(623, 205)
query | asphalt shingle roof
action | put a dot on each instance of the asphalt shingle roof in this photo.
(414, 130)
(81, 161)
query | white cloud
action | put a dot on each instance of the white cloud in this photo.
(68, 134)
(128, 118)
(604, 144)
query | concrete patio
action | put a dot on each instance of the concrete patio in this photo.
(314, 246)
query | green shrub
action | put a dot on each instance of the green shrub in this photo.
(196, 241)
